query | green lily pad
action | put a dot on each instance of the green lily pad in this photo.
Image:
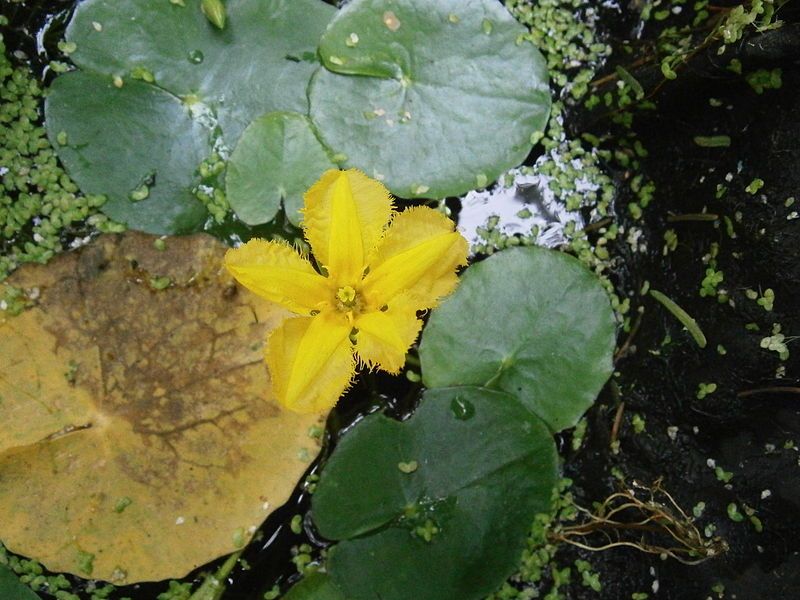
(277, 159)
(532, 322)
(12, 589)
(137, 139)
(316, 586)
(444, 100)
(420, 505)
(219, 79)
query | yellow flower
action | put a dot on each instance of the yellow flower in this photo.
(378, 268)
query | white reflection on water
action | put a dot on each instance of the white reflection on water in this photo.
(521, 203)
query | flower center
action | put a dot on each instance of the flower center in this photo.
(346, 298)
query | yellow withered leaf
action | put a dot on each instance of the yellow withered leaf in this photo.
(140, 439)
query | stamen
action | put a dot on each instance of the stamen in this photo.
(346, 295)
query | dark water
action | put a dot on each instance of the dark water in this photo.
(747, 426)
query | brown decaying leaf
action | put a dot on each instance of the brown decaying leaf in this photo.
(139, 437)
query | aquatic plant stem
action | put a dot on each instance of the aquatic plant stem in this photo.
(682, 316)
(213, 586)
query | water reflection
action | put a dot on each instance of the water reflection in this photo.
(520, 203)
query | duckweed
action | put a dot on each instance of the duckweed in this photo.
(14, 300)
(41, 209)
(85, 562)
(766, 300)
(568, 43)
(122, 504)
(722, 475)
(755, 185)
(408, 467)
(698, 509)
(296, 524)
(160, 283)
(704, 389)
(776, 342)
(303, 560)
(764, 79)
(638, 423)
(734, 514)
(211, 191)
(427, 530)
(589, 578)
(670, 241)
(711, 281)
(176, 591)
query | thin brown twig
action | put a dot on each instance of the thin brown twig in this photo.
(617, 421)
(612, 76)
(623, 350)
(597, 224)
(692, 217)
(778, 389)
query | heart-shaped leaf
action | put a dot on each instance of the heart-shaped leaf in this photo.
(276, 160)
(444, 98)
(136, 144)
(532, 322)
(316, 586)
(12, 589)
(476, 467)
(192, 75)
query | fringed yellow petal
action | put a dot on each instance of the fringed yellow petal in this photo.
(417, 258)
(343, 219)
(384, 337)
(277, 272)
(310, 361)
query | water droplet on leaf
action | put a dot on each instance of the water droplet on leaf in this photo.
(462, 409)
(196, 57)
